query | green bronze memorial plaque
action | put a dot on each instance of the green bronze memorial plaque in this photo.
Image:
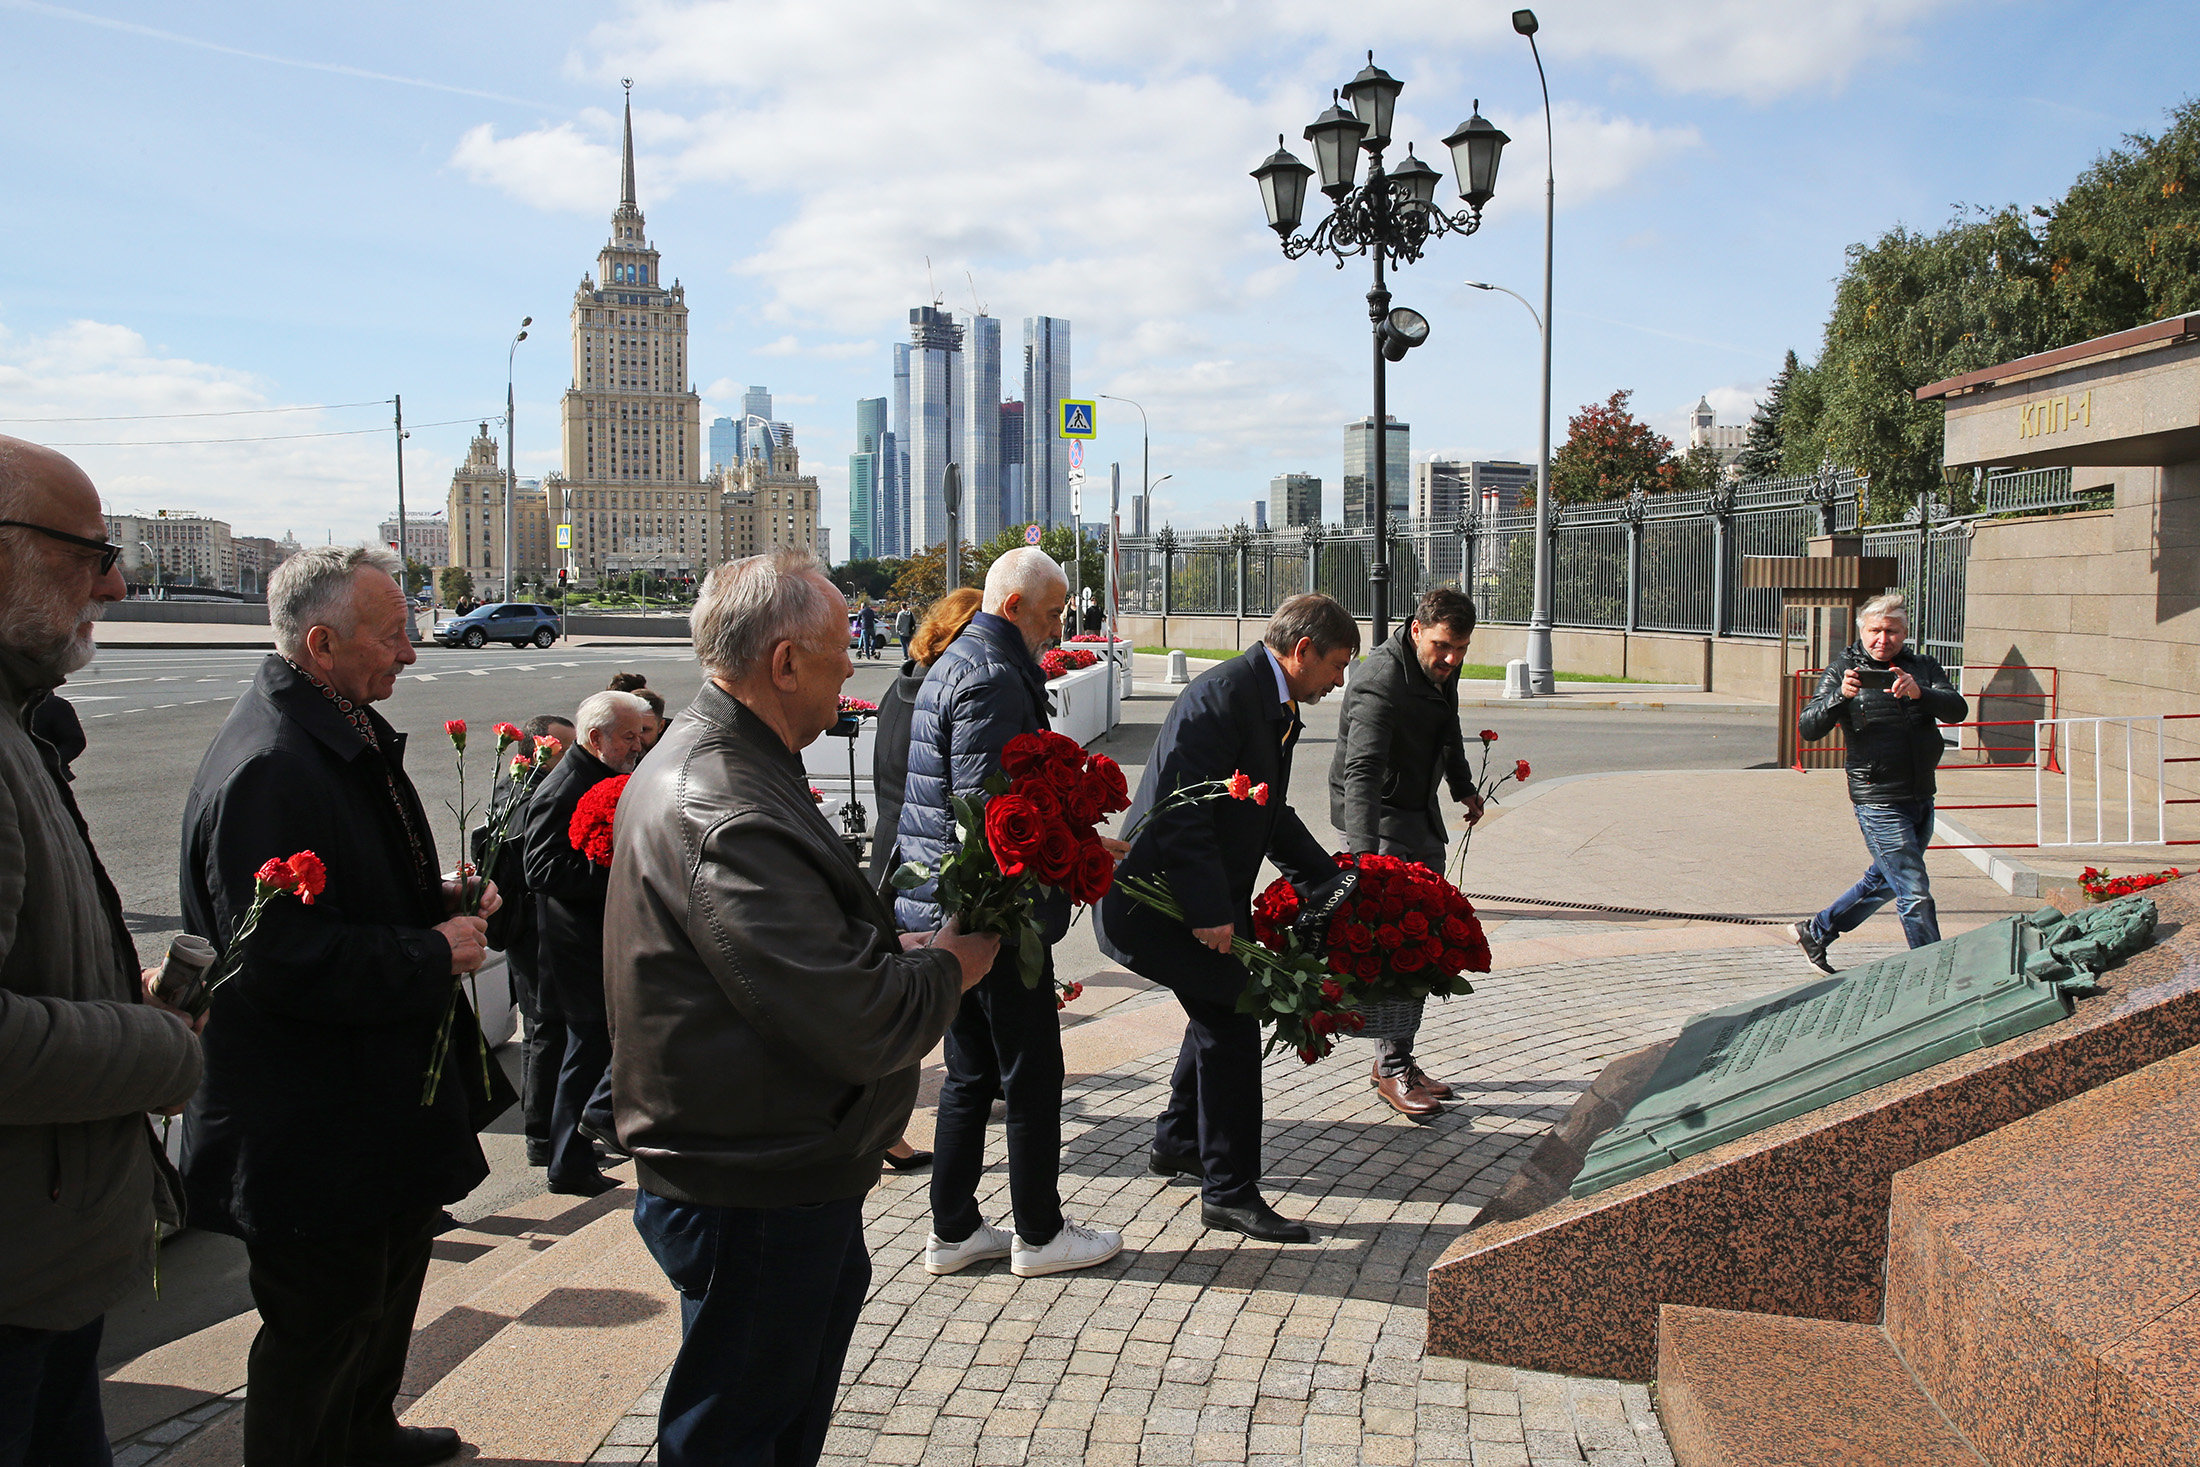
(1739, 1069)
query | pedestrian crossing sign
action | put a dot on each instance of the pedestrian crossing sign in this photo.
(1078, 419)
(565, 537)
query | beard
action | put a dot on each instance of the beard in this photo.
(45, 631)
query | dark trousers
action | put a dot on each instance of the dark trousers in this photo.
(768, 1302)
(336, 1316)
(1408, 841)
(1005, 1043)
(1214, 1110)
(49, 1398)
(582, 1095)
(541, 1057)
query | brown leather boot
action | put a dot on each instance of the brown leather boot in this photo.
(1419, 1079)
(1404, 1099)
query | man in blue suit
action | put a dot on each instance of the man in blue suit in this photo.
(1241, 717)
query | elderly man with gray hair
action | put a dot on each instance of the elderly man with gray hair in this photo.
(985, 689)
(85, 1052)
(767, 1023)
(1889, 701)
(568, 889)
(309, 1139)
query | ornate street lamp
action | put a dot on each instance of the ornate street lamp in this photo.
(1391, 218)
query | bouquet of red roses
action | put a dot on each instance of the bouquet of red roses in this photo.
(1031, 829)
(1404, 933)
(1063, 661)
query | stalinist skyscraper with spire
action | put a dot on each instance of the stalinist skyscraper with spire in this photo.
(635, 489)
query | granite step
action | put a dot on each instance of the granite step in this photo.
(2043, 1281)
(166, 1395)
(1764, 1390)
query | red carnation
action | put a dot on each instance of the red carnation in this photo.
(274, 874)
(456, 728)
(309, 878)
(1260, 794)
(507, 735)
(1520, 771)
(590, 829)
(1489, 735)
(1241, 785)
(1013, 828)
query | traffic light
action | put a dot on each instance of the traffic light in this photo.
(561, 575)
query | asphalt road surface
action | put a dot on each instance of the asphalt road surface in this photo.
(150, 714)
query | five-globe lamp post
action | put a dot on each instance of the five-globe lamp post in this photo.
(1391, 217)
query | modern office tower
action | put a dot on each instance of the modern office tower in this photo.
(1260, 516)
(725, 443)
(633, 486)
(1138, 515)
(1439, 489)
(865, 479)
(1015, 498)
(757, 401)
(935, 372)
(1500, 486)
(1046, 383)
(978, 429)
(1359, 462)
(896, 471)
(1294, 499)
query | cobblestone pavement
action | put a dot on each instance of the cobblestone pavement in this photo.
(1197, 1347)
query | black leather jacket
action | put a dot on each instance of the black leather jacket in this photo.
(1894, 744)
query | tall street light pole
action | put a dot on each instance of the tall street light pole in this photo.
(1145, 498)
(511, 467)
(1540, 678)
(404, 536)
(1390, 218)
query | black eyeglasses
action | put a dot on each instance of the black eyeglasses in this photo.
(108, 554)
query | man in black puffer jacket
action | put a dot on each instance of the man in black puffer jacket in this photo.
(1889, 703)
(985, 689)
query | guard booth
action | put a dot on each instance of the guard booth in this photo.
(1820, 594)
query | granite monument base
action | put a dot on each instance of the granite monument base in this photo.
(1791, 1219)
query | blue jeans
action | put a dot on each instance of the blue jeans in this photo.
(1896, 836)
(768, 1302)
(49, 1398)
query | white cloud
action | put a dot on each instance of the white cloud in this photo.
(290, 480)
(1737, 48)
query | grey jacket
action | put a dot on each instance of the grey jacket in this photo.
(766, 1025)
(1398, 743)
(82, 1057)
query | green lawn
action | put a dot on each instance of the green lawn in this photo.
(1471, 670)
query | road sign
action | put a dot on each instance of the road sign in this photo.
(1076, 454)
(1076, 491)
(1078, 419)
(1031, 534)
(565, 537)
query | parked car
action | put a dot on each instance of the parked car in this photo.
(517, 622)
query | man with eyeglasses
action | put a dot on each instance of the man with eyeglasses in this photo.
(85, 1052)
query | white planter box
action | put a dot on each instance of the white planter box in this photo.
(1078, 704)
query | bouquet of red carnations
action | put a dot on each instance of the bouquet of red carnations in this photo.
(2102, 887)
(1404, 933)
(590, 829)
(1062, 661)
(1030, 830)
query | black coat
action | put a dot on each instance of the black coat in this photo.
(309, 1122)
(1227, 721)
(569, 891)
(1893, 744)
(890, 772)
(1397, 740)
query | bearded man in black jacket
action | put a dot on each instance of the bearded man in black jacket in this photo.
(1890, 702)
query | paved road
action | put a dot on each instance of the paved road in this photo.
(150, 714)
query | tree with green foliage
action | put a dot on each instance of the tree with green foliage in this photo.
(2123, 246)
(1092, 564)
(456, 583)
(1608, 454)
(1699, 470)
(866, 578)
(923, 576)
(1763, 451)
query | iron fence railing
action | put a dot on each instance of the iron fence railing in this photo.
(1665, 562)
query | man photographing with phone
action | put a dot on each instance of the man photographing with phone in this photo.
(1889, 702)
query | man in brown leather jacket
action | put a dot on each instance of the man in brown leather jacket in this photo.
(766, 1022)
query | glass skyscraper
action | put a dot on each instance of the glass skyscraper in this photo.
(978, 429)
(865, 478)
(935, 373)
(1359, 465)
(725, 443)
(1046, 383)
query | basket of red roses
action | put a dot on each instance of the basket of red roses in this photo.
(1030, 829)
(1405, 933)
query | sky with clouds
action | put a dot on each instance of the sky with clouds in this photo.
(214, 210)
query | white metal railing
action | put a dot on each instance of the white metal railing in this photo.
(2069, 734)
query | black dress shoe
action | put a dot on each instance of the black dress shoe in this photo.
(1161, 1164)
(538, 1153)
(608, 1144)
(914, 1161)
(594, 1186)
(413, 1446)
(1255, 1220)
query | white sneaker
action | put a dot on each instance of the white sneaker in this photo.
(985, 1243)
(1073, 1247)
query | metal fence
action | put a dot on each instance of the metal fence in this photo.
(1660, 563)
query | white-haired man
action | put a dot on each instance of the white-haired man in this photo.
(767, 1023)
(309, 1140)
(985, 689)
(84, 1053)
(611, 731)
(1889, 702)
